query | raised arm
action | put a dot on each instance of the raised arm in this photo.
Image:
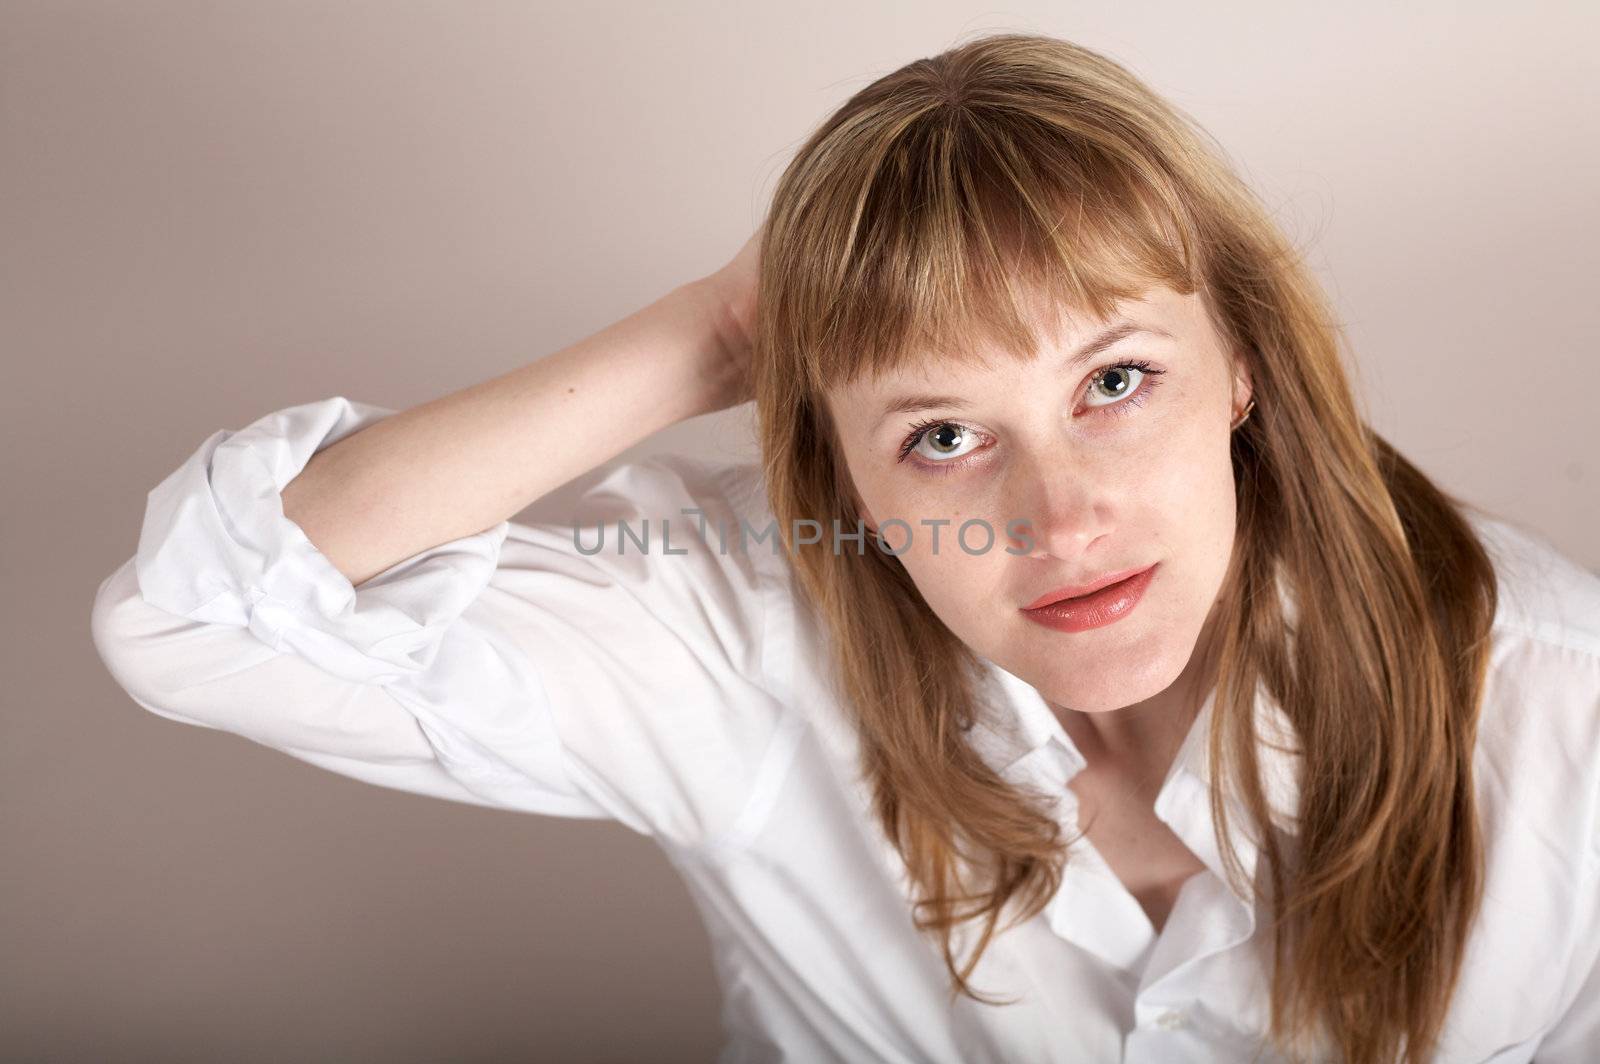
(342, 582)
(466, 461)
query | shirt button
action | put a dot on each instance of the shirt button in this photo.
(1171, 1021)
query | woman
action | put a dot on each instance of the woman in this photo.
(1211, 730)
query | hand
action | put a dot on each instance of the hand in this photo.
(732, 291)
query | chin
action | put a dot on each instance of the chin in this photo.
(1108, 681)
(1105, 697)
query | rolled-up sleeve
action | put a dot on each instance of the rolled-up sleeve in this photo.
(216, 547)
(505, 668)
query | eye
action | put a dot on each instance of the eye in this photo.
(1116, 383)
(940, 442)
(943, 445)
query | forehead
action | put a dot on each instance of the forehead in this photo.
(1058, 330)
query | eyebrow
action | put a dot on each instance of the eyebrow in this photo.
(1116, 333)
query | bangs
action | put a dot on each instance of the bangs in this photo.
(976, 235)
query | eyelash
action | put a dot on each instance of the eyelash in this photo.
(1147, 384)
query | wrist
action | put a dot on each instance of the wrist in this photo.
(703, 298)
(720, 367)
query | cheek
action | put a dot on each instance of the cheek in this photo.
(888, 497)
(1188, 488)
(957, 586)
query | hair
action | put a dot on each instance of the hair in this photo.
(914, 221)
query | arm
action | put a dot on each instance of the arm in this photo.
(501, 667)
(464, 462)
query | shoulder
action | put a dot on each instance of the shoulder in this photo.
(662, 650)
(713, 511)
(691, 539)
(1539, 730)
(1536, 768)
(1542, 594)
(735, 488)
(630, 548)
(663, 505)
(677, 486)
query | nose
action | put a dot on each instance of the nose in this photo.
(1063, 508)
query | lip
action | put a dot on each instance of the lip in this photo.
(1105, 602)
(1084, 589)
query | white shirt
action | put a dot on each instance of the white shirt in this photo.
(687, 696)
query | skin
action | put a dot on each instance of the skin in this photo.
(1103, 484)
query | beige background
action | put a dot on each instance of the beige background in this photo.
(214, 210)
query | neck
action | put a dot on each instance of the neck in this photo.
(1145, 736)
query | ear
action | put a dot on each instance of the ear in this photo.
(1242, 383)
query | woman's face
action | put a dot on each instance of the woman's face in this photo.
(1114, 462)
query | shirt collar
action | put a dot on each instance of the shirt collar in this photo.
(1020, 738)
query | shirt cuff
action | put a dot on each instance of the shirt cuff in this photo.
(216, 547)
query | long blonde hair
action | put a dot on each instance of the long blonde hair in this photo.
(914, 219)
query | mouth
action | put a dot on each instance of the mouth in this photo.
(1101, 603)
(1061, 594)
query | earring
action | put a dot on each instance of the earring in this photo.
(1240, 420)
